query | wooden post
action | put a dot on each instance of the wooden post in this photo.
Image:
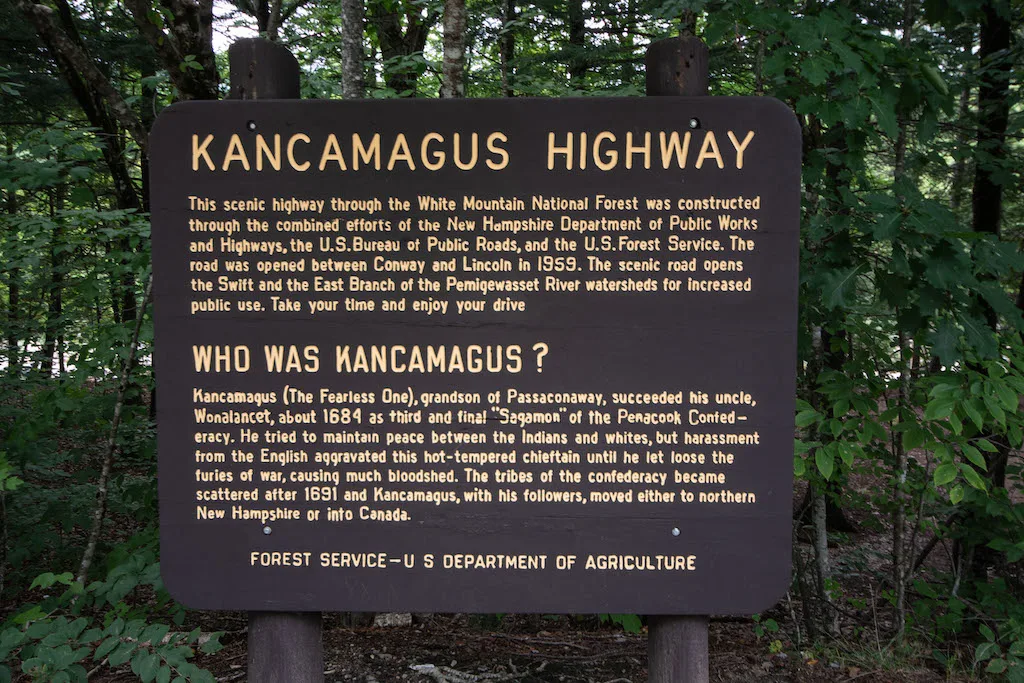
(677, 647)
(284, 647)
(677, 66)
(262, 70)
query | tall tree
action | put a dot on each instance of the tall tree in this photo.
(507, 46)
(401, 46)
(577, 26)
(453, 80)
(353, 19)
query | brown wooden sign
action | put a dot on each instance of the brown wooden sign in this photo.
(476, 356)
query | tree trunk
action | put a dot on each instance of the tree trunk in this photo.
(13, 287)
(55, 289)
(827, 616)
(577, 61)
(453, 82)
(396, 45)
(993, 117)
(958, 182)
(994, 75)
(352, 60)
(899, 515)
(507, 48)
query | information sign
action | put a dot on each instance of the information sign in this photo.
(476, 356)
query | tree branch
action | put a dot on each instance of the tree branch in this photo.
(163, 44)
(56, 40)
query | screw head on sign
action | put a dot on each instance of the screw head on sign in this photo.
(675, 531)
(266, 530)
(694, 123)
(251, 125)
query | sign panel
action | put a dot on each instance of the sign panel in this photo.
(476, 356)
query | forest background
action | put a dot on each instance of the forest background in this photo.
(911, 286)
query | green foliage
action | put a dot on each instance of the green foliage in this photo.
(911, 367)
(630, 623)
(108, 623)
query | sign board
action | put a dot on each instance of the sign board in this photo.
(476, 356)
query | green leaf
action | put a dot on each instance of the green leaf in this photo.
(825, 461)
(1007, 397)
(987, 446)
(996, 666)
(945, 340)
(840, 287)
(154, 634)
(213, 645)
(121, 654)
(956, 424)
(994, 408)
(973, 413)
(956, 494)
(802, 447)
(972, 476)
(106, 647)
(987, 632)
(939, 408)
(145, 665)
(934, 78)
(913, 437)
(799, 466)
(944, 474)
(886, 116)
(975, 456)
(807, 418)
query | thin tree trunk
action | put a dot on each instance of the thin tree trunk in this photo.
(994, 75)
(899, 520)
(3, 541)
(453, 81)
(827, 616)
(958, 183)
(577, 61)
(507, 48)
(100, 509)
(55, 289)
(901, 139)
(274, 21)
(993, 118)
(13, 285)
(353, 18)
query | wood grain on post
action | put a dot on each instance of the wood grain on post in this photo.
(677, 66)
(284, 647)
(262, 70)
(677, 646)
(677, 649)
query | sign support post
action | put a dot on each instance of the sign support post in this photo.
(476, 356)
(677, 646)
(284, 647)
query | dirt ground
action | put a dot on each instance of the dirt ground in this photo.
(537, 649)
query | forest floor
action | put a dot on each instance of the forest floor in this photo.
(443, 648)
(531, 649)
(579, 649)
